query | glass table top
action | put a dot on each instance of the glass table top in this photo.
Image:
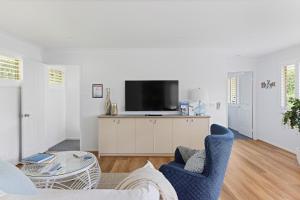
(67, 162)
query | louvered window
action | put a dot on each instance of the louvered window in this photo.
(288, 85)
(233, 90)
(10, 68)
(56, 76)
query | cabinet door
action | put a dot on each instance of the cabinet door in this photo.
(199, 128)
(181, 133)
(125, 135)
(107, 136)
(163, 136)
(144, 135)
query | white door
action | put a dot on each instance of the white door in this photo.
(240, 114)
(245, 107)
(33, 139)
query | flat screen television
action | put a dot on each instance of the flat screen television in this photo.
(151, 95)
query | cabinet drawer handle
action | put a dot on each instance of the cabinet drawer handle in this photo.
(154, 121)
(118, 121)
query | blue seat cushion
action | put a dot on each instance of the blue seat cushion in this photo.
(175, 164)
(14, 181)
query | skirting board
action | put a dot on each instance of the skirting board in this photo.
(72, 138)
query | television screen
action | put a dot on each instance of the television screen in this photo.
(151, 95)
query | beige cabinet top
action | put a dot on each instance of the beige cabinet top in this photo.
(151, 116)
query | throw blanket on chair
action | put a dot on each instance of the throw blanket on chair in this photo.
(148, 175)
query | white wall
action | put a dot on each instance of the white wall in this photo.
(268, 118)
(10, 96)
(192, 67)
(73, 130)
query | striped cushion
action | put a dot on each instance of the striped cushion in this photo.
(196, 162)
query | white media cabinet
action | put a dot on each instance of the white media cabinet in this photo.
(150, 135)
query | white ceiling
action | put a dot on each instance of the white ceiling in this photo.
(246, 27)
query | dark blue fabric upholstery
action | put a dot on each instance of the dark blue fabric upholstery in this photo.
(208, 185)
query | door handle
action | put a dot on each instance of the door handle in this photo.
(26, 115)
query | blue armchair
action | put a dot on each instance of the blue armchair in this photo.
(207, 185)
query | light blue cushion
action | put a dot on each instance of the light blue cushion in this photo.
(13, 181)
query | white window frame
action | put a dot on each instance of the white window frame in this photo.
(11, 82)
(283, 100)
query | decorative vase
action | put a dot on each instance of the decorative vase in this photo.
(107, 105)
(114, 109)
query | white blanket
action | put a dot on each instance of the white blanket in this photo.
(148, 175)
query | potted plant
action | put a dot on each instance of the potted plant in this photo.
(292, 118)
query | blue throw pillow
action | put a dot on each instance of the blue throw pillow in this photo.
(13, 181)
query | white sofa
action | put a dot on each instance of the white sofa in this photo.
(145, 193)
(14, 185)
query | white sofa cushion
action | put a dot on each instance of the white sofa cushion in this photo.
(148, 175)
(13, 181)
(144, 193)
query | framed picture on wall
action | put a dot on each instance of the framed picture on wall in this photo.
(97, 90)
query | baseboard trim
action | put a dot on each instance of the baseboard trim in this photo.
(277, 146)
(72, 138)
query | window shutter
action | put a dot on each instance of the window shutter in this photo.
(283, 87)
(56, 77)
(233, 90)
(288, 85)
(10, 68)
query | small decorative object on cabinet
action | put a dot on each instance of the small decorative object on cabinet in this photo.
(198, 99)
(114, 109)
(107, 106)
(184, 108)
(291, 118)
(97, 91)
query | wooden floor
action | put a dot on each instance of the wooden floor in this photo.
(256, 171)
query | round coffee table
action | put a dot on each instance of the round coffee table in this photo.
(76, 173)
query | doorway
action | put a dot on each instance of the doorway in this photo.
(240, 103)
(50, 108)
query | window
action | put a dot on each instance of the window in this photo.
(233, 97)
(10, 68)
(288, 85)
(55, 77)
